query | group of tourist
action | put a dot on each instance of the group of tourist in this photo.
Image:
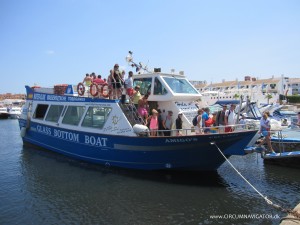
(115, 82)
(93, 78)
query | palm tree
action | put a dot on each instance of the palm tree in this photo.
(269, 96)
(236, 96)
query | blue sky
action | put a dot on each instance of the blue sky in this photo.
(52, 42)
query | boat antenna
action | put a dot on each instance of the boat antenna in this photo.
(139, 67)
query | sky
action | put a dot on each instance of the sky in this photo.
(49, 42)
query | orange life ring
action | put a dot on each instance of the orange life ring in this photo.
(102, 91)
(80, 89)
(94, 89)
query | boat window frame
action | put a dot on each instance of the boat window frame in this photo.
(70, 121)
(40, 111)
(161, 90)
(93, 115)
(49, 111)
(145, 84)
(187, 85)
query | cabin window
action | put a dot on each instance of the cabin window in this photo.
(54, 113)
(179, 85)
(159, 89)
(40, 111)
(144, 83)
(73, 115)
(96, 117)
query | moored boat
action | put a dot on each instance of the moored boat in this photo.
(14, 112)
(110, 132)
(3, 113)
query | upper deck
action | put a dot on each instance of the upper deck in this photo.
(159, 87)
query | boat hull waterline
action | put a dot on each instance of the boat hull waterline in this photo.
(192, 152)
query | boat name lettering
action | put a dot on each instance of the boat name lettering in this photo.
(39, 96)
(56, 98)
(44, 130)
(95, 141)
(70, 136)
(66, 135)
(180, 140)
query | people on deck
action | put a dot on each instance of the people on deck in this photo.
(93, 76)
(143, 107)
(153, 123)
(198, 127)
(265, 127)
(179, 123)
(109, 84)
(160, 123)
(136, 96)
(205, 118)
(129, 84)
(116, 81)
(98, 80)
(230, 118)
(87, 80)
(220, 119)
(168, 123)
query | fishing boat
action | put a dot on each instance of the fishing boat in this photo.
(110, 131)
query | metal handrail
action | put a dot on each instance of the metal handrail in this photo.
(184, 132)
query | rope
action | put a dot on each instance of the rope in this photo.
(289, 211)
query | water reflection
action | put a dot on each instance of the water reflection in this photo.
(35, 161)
(60, 188)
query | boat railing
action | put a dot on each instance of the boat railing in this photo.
(207, 130)
(280, 138)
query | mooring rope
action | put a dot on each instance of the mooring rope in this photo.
(289, 211)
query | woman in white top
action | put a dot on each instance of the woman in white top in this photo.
(198, 127)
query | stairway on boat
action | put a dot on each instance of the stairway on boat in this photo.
(131, 113)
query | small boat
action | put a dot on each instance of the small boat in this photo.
(3, 113)
(286, 140)
(110, 132)
(286, 143)
(14, 112)
(288, 159)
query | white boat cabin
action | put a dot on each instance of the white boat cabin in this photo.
(167, 92)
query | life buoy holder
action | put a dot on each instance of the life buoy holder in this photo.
(80, 89)
(102, 91)
(94, 89)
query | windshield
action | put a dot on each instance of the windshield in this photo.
(180, 85)
(254, 111)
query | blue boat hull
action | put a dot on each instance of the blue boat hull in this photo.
(173, 153)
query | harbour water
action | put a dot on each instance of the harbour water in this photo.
(40, 187)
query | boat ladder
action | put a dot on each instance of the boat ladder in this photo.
(131, 113)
